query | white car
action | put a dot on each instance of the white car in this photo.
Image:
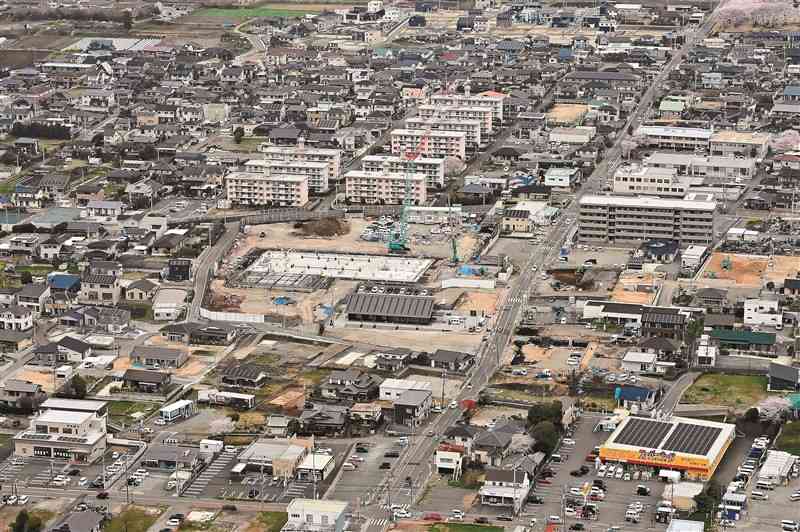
(570, 512)
(619, 472)
(142, 472)
(602, 471)
(83, 481)
(568, 441)
(576, 492)
(572, 361)
(401, 514)
(160, 422)
(23, 499)
(12, 500)
(453, 404)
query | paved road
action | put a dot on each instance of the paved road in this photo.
(204, 268)
(675, 392)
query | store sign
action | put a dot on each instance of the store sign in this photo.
(652, 455)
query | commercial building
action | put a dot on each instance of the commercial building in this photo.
(492, 99)
(437, 143)
(316, 515)
(675, 138)
(472, 128)
(65, 429)
(730, 143)
(301, 153)
(257, 188)
(618, 219)
(505, 488)
(317, 172)
(717, 167)
(689, 446)
(384, 188)
(432, 168)
(483, 114)
(278, 457)
(646, 180)
(393, 308)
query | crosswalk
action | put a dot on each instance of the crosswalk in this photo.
(9, 470)
(377, 523)
(216, 467)
(404, 507)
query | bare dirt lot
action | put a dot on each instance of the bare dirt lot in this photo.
(416, 340)
(639, 288)
(481, 302)
(285, 236)
(487, 413)
(44, 379)
(750, 270)
(566, 113)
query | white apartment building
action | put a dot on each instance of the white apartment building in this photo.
(382, 187)
(484, 114)
(759, 311)
(65, 429)
(640, 218)
(261, 188)
(718, 167)
(438, 143)
(491, 99)
(433, 168)
(675, 138)
(634, 179)
(730, 143)
(472, 128)
(316, 172)
(301, 153)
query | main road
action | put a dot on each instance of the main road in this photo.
(416, 462)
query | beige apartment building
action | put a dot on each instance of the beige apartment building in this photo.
(610, 218)
(261, 188)
(316, 172)
(332, 157)
(485, 114)
(438, 143)
(432, 167)
(491, 99)
(472, 128)
(383, 187)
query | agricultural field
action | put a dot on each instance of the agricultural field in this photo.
(737, 391)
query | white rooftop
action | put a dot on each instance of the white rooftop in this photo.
(670, 131)
(62, 416)
(647, 202)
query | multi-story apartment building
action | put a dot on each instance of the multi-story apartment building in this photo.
(433, 168)
(651, 181)
(383, 187)
(484, 114)
(625, 219)
(316, 172)
(65, 429)
(491, 99)
(702, 166)
(730, 143)
(675, 138)
(438, 143)
(261, 188)
(472, 128)
(302, 153)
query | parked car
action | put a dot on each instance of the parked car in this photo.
(482, 520)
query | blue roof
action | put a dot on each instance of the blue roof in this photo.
(63, 281)
(634, 393)
(791, 90)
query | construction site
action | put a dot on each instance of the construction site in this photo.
(749, 270)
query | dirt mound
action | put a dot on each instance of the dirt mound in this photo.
(325, 227)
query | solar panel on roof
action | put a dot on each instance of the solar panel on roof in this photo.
(643, 433)
(691, 439)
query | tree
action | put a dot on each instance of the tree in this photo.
(25, 277)
(78, 387)
(751, 415)
(540, 412)
(238, 133)
(234, 416)
(546, 437)
(20, 524)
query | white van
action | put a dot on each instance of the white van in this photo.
(759, 495)
(347, 466)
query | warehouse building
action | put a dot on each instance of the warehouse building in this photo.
(437, 143)
(433, 168)
(689, 446)
(393, 308)
(258, 188)
(384, 188)
(626, 219)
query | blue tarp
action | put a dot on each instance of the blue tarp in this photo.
(282, 300)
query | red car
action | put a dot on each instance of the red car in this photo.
(432, 517)
(545, 481)
(591, 457)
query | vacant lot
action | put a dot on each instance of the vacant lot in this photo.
(268, 522)
(132, 519)
(738, 391)
(789, 440)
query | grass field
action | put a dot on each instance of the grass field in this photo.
(245, 13)
(132, 519)
(789, 440)
(738, 391)
(121, 410)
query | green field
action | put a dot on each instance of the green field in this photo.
(246, 13)
(133, 519)
(789, 439)
(738, 391)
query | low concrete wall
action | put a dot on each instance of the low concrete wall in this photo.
(457, 282)
(231, 316)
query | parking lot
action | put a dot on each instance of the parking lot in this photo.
(619, 493)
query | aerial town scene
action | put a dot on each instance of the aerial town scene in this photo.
(355, 265)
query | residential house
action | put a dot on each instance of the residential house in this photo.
(67, 349)
(15, 318)
(413, 407)
(158, 357)
(462, 436)
(763, 311)
(665, 322)
(323, 419)
(638, 362)
(636, 398)
(244, 376)
(16, 393)
(351, 384)
(141, 290)
(491, 448)
(100, 284)
(214, 333)
(712, 298)
(454, 361)
(34, 297)
(145, 381)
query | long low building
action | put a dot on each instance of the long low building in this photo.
(690, 446)
(394, 308)
(256, 188)
(675, 138)
(437, 143)
(628, 219)
(701, 166)
(384, 188)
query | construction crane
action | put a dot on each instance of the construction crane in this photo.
(398, 243)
